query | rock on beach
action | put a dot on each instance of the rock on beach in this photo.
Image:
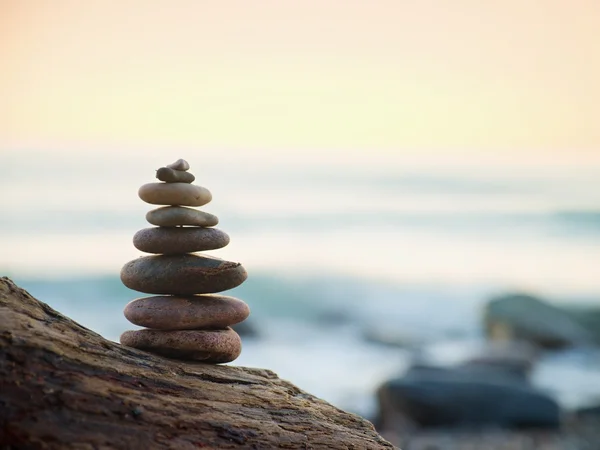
(186, 313)
(179, 240)
(169, 175)
(172, 216)
(183, 194)
(211, 346)
(182, 274)
(180, 164)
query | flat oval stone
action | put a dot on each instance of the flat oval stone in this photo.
(186, 313)
(182, 274)
(210, 346)
(169, 175)
(172, 216)
(174, 194)
(179, 240)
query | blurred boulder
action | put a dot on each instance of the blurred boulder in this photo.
(522, 317)
(463, 397)
(588, 317)
(513, 358)
(588, 412)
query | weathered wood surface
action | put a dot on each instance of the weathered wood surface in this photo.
(64, 386)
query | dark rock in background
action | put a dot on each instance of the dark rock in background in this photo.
(519, 317)
(588, 412)
(516, 358)
(588, 317)
(466, 397)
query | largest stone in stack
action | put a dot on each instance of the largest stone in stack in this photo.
(185, 321)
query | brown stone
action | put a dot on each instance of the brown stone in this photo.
(182, 274)
(181, 194)
(210, 346)
(186, 313)
(172, 216)
(179, 240)
(169, 175)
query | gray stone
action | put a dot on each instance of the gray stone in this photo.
(512, 358)
(182, 274)
(174, 176)
(186, 313)
(179, 240)
(180, 164)
(174, 194)
(588, 316)
(471, 397)
(172, 216)
(209, 346)
(522, 317)
(588, 412)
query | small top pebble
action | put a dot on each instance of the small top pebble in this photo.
(174, 176)
(180, 164)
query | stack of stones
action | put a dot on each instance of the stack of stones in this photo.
(184, 321)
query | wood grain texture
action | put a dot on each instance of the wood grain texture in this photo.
(64, 386)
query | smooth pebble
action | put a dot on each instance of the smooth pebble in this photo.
(180, 194)
(179, 240)
(182, 274)
(172, 216)
(210, 346)
(169, 175)
(186, 313)
(180, 164)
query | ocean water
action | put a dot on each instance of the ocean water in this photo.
(335, 252)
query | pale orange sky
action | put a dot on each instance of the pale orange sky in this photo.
(387, 76)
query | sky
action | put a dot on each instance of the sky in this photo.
(508, 79)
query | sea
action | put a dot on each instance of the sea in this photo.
(338, 250)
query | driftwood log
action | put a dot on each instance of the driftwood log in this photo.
(64, 386)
